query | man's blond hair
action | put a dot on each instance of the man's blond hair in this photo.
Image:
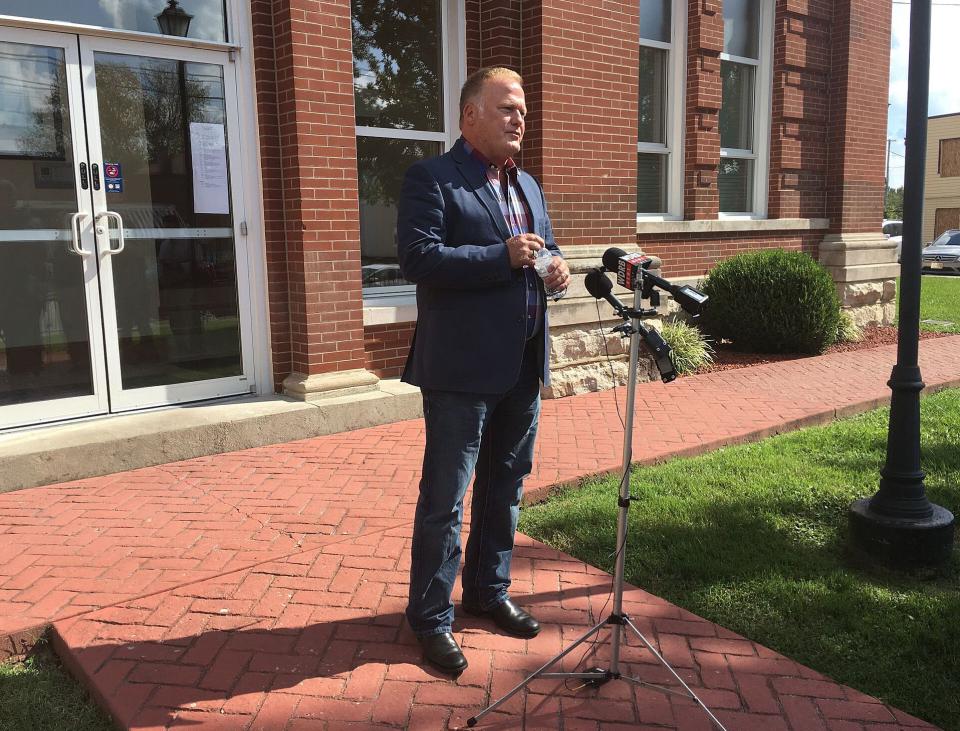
(474, 83)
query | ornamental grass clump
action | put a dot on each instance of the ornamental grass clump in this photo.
(848, 331)
(691, 350)
(772, 301)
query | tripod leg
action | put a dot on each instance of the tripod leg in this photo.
(593, 630)
(672, 671)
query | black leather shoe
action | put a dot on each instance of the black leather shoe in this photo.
(443, 652)
(508, 617)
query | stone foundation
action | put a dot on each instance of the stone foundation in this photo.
(864, 269)
(580, 363)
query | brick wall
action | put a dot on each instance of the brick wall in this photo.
(386, 347)
(497, 33)
(315, 148)
(687, 256)
(859, 63)
(801, 75)
(702, 148)
(579, 62)
(580, 74)
(271, 186)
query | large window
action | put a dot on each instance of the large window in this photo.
(745, 107)
(202, 19)
(406, 81)
(659, 172)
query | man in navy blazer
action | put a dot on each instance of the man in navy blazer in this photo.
(469, 226)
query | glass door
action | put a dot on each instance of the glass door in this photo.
(161, 121)
(51, 348)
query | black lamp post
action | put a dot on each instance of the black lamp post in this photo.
(899, 526)
(174, 20)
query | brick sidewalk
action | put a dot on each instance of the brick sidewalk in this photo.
(264, 588)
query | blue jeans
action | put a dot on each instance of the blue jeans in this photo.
(494, 435)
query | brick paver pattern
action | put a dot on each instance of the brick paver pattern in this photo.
(264, 589)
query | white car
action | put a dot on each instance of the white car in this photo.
(893, 232)
(943, 255)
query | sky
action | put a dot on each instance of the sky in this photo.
(944, 87)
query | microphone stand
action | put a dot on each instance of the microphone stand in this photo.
(618, 622)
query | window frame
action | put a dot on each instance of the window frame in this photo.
(453, 44)
(762, 116)
(675, 85)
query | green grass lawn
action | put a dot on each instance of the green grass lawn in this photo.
(38, 695)
(939, 300)
(753, 537)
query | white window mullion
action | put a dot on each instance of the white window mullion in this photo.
(401, 134)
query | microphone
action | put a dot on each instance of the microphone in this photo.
(629, 267)
(599, 286)
(660, 350)
(631, 272)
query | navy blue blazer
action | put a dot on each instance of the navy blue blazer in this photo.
(471, 306)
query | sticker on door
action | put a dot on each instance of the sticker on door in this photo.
(113, 177)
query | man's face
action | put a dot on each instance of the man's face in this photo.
(494, 124)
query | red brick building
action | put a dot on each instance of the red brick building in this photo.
(252, 157)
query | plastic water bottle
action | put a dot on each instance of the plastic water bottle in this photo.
(542, 265)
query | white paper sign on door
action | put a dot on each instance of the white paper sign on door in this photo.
(209, 152)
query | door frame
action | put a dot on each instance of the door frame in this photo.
(122, 399)
(41, 412)
(240, 51)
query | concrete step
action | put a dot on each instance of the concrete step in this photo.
(75, 450)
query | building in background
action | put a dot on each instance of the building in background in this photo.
(197, 198)
(941, 187)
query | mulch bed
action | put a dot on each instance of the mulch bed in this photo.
(725, 358)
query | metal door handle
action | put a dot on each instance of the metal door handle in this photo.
(106, 230)
(75, 234)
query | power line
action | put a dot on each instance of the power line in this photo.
(945, 5)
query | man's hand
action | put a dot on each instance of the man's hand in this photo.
(559, 275)
(523, 249)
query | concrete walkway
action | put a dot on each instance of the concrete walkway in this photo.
(264, 589)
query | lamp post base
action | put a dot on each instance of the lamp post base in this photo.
(902, 542)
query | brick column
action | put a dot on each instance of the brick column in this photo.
(498, 33)
(579, 64)
(704, 90)
(313, 164)
(860, 260)
(801, 105)
(860, 62)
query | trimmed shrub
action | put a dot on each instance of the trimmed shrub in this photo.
(690, 349)
(848, 331)
(772, 301)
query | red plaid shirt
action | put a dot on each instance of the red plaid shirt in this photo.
(516, 213)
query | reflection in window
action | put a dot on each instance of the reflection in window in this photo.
(382, 164)
(736, 118)
(735, 184)
(739, 73)
(208, 17)
(175, 285)
(397, 64)
(398, 84)
(659, 93)
(44, 342)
